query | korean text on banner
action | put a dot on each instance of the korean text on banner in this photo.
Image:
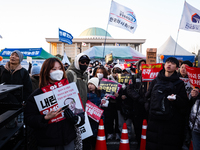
(65, 37)
(47, 102)
(93, 111)
(194, 76)
(122, 17)
(150, 71)
(190, 18)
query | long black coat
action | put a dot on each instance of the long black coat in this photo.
(168, 135)
(54, 134)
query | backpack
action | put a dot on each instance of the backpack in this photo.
(160, 106)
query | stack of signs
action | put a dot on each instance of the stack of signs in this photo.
(124, 78)
(93, 111)
(110, 87)
(150, 71)
(59, 97)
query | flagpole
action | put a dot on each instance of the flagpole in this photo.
(106, 34)
(178, 30)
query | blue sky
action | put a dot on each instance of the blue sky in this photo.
(26, 23)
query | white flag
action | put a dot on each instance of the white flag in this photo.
(190, 19)
(122, 17)
(65, 59)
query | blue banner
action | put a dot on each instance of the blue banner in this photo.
(65, 37)
(26, 51)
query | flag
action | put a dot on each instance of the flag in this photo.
(65, 59)
(84, 44)
(1, 36)
(65, 37)
(190, 18)
(122, 17)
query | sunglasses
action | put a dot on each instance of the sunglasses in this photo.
(84, 61)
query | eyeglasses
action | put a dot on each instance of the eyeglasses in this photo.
(84, 61)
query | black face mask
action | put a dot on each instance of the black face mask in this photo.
(36, 77)
(83, 67)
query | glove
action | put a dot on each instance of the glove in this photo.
(71, 116)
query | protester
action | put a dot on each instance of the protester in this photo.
(66, 65)
(35, 74)
(76, 73)
(56, 135)
(125, 108)
(136, 92)
(94, 95)
(14, 73)
(187, 133)
(101, 73)
(167, 109)
(111, 116)
(194, 121)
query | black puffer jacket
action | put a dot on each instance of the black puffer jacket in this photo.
(47, 135)
(168, 134)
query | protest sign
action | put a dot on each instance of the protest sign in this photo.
(47, 102)
(109, 58)
(93, 111)
(187, 84)
(151, 55)
(150, 71)
(194, 76)
(69, 95)
(85, 129)
(124, 79)
(110, 87)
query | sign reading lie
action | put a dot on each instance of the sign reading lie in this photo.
(194, 76)
(150, 71)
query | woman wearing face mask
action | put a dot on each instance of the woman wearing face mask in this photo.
(58, 135)
(101, 73)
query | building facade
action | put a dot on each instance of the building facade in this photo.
(89, 38)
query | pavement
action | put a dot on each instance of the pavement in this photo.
(114, 145)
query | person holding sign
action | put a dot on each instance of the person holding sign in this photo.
(94, 95)
(51, 135)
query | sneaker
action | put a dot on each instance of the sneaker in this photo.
(117, 136)
(110, 136)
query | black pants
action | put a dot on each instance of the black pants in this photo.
(111, 119)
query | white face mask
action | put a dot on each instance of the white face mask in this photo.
(56, 75)
(100, 75)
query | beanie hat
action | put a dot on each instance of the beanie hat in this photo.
(35, 70)
(21, 56)
(94, 81)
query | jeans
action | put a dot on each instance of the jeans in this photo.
(196, 140)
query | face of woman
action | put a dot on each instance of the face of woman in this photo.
(91, 87)
(57, 66)
(56, 73)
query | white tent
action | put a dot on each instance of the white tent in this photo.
(168, 48)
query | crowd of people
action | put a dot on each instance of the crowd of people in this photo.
(171, 110)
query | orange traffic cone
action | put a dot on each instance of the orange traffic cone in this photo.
(101, 139)
(143, 136)
(191, 146)
(124, 142)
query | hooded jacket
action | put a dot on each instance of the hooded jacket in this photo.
(82, 78)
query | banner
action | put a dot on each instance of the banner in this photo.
(25, 51)
(194, 76)
(150, 71)
(93, 111)
(65, 37)
(122, 17)
(190, 18)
